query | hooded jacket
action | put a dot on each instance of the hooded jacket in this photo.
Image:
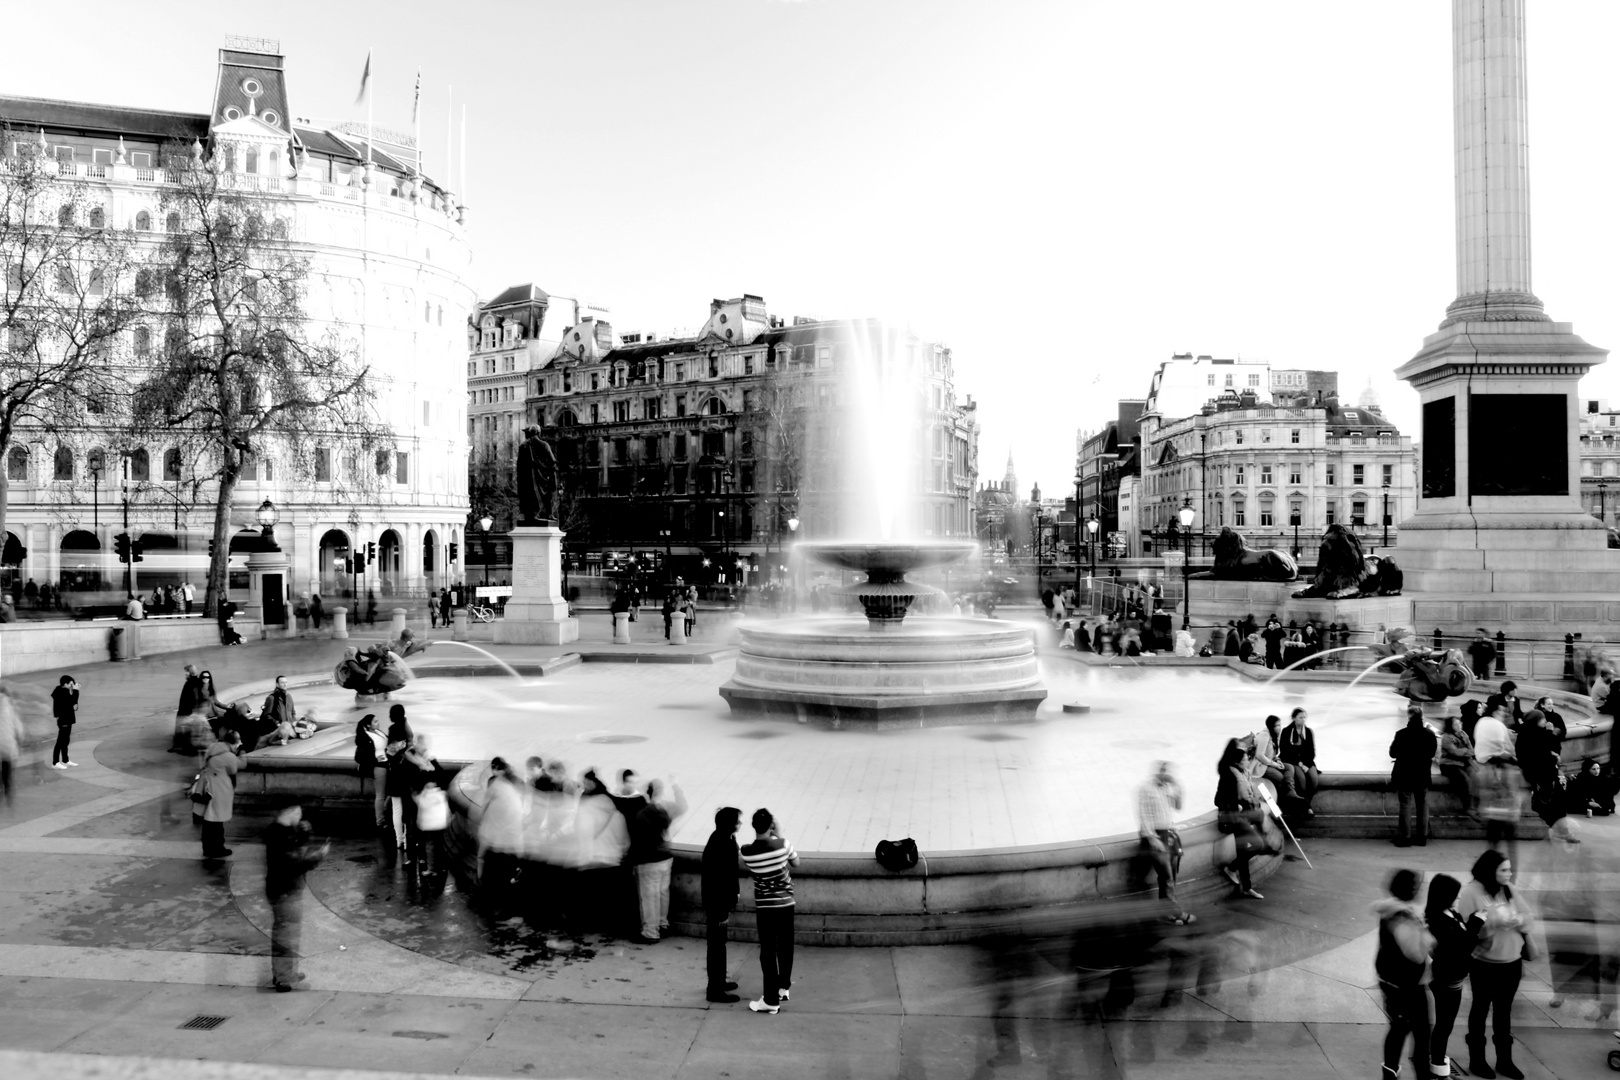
(1404, 944)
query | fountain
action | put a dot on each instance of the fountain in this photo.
(884, 671)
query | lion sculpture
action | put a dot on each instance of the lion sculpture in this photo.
(1596, 670)
(1344, 572)
(1236, 561)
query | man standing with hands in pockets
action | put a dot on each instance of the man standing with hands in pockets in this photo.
(768, 859)
(720, 862)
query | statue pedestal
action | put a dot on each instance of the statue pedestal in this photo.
(536, 613)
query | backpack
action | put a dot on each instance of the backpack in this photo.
(897, 855)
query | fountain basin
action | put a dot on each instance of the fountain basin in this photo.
(839, 673)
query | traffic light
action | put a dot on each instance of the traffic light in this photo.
(121, 546)
(135, 551)
(455, 551)
(210, 550)
(371, 552)
(345, 567)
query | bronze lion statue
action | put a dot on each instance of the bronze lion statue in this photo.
(1236, 561)
(1344, 572)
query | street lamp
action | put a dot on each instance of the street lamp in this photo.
(267, 515)
(793, 530)
(1186, 514)
(484, 523)
(1293, 519)
(1092, 525)
(1386, 513)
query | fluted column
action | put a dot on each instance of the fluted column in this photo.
(1491, 139)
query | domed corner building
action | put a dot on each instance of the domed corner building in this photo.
(388, 263)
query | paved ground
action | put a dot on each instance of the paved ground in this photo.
(113, 934)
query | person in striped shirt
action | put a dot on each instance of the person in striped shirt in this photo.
(768, 858)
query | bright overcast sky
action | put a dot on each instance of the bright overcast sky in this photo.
(1064, 192)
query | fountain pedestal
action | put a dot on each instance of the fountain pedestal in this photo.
(536, 613)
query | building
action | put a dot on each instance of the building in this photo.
(1109, 458)
(1600, 460)
(696, 453)
(1275, 472)
(388, 260)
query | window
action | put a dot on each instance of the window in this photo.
(66, 215)
(1238, 519)
(680, 373)
(748, 365)
(1265, 435)
(402, 468)
(652, 408)
(714, 367)
(17, 464)
(64, 463)
(748, 401)
(1240, 436)
(680, 402)
(1296, 512)
(140, 159)
(621, 451)
(1332, 511)
(714, 443)
(1229, 381)
(98, 218)
(171, 223)
(1293, 473)
(1265, 515)
(144, 286)
(1212, 380)
(1332, 476)
(143, 341)
(650, 448)
(1293, 436)
(596, 414)
(64, 279)
(621, 412)
(746, 473)
(1389, 475)
(140, 465)
(747, 444)
(1358, 512)
(715, 407)
(1265, 475)
(171, 465)
(680, 448)
(1358, 475)
(323, 465)
(98, 281)
(1241, 481)
(1254, 380)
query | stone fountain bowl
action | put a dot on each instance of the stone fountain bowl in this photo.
(887, 559)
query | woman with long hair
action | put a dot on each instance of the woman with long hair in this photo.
(1239, 814)
(1501, 922)
(1297, 747)
(1448, 967)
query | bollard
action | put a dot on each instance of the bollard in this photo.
(340, 622)
(621, 628)
(458, 624)
(396, 625)
(1438, 640)
(1501, 653)
(1569, 656)
(677, 629)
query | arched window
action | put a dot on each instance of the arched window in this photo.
(441, 314)
(278, 229)
(229, 158)
(140, 465)
(98, 218)
(172, 223)
(171, 465)
(64, 463)
(143, 283)
(143, 222)
(143, 341)
(250, 160)
(273, 166)
(714, 407)
(17, 464)
(65, 215)
(427, 311)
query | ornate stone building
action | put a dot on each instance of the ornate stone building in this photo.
(388, 263)
(695, 453)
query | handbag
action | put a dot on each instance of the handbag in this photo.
(897, 855)
(198, 791)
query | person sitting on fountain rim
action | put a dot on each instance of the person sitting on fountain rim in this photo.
(1267, 762)
(1506, 704)
(1297, 748)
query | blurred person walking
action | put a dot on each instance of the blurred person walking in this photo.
(1402, 964)
(721, 861)
(1413, 750)
(182, 713)
(11, 737)
(65, 707)
(1453, 946)
(1496, 782)
(1157, 801)
(290, 852)
(1502, 922)
(768, 858)
(651, 856)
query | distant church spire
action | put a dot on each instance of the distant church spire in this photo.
(1011, 478)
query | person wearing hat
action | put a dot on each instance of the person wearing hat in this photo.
(290, 852)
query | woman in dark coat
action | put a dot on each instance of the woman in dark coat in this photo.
(1239, 813)
(1298, 748)
(65, 707)
(220, 764)
(1448, 966)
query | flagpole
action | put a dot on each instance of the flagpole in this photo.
(416, 119)
(449, 135)
(463, 155)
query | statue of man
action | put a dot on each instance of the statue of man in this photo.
(536, 478)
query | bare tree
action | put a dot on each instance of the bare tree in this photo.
(243, 374)
(66, 310)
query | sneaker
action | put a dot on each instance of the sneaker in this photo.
(643, 939)
(1252, 895)
(283, 988)
(723, 998)
(760, 1006)
(731, 986)
(57, 765)
(783, 994)
(1231, 875)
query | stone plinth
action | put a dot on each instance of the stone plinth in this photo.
(536, 613)
(1219, 602)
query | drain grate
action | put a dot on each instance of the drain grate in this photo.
(203, 1023)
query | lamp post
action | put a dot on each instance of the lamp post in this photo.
(484, 523)
(1293, 519)
(1092, 526)
(793, 530)
(1386, 513)
(1186, 515)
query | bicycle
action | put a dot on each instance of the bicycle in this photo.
(480, 613)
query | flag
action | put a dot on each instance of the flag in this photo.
(416, 102)
(365, 80)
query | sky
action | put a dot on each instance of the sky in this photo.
(1064, 192)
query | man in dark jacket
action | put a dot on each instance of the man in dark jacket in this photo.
(1413, 749)
(721, 861)
(278, 708)
(1481, 654)
(290, 852)
(1273, 636)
